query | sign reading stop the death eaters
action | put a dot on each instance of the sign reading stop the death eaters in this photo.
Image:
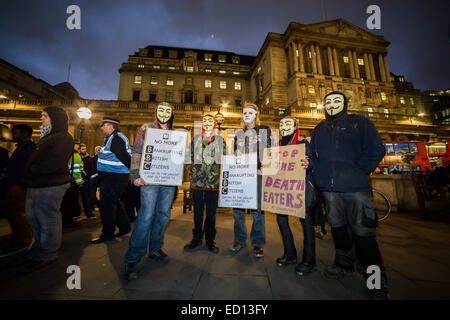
(238, 181)
(284, 185)
(163, 157)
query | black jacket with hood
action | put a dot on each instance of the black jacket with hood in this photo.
(345, 150)
(48, 165)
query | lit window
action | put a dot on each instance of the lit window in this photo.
(208, 83)
(411, 101)
(173, 54)
(383, 96)
(140, 66)
(190, 69)
(235, 60)
(222, 71)
(223, 84)
(401, 79)
(296, 53)
(236, 72)
(402, 100)
(312, 104)
(360, 61)
(237, 86)
(154, 80)
(208, 57)
(311, 89)
(171, 68)
(345, 59)
(156, 67)
(386, 110)
(138, 79)
(169, 82)
(222, 58)
(158, 53)
(309, 54)
(370, 111)
(267, 100)
(259, 69)
(207, 70)
(386, 113)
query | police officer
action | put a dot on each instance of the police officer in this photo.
(113, 171)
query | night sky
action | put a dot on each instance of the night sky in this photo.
(35, 38)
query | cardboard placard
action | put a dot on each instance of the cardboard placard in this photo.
(163, 157)
(238, 181)
(284, 183)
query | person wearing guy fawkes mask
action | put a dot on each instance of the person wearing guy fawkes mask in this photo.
(346, 149)
(253, 138)
(156, 201)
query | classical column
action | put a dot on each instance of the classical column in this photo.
(294, 54)
(352, 66)
(386, 66)
(366, 66)
(300, 51)
(381, 66)
(289, 53)
(313, 58)
(372, 69)
(355, 63)
(330, 61)
(319, 60)
(336, 62)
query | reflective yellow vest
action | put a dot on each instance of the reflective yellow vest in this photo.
(77, 172)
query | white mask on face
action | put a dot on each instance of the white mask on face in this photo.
(287, 127)
(163, 114)
(334, 103)
(208, 123)
(249, 115)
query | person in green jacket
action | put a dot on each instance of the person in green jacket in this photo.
(206, 152)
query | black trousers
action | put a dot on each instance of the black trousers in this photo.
(309, 240)
(200, 199)
(70, 207)
(112, 209)
(85, 197)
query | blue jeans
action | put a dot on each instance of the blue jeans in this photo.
(258, 233)
(156, 202)
(43, 214)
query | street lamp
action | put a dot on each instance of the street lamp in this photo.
(84, 114)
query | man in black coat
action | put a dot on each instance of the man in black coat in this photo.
(346, 149)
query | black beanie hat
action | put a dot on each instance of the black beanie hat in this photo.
(59, 119)
(344, 111)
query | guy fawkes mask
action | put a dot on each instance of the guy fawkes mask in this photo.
(334, 103)
(287, 127)
(163, 113)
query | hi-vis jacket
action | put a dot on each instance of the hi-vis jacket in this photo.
(77, 171)
(108, 161)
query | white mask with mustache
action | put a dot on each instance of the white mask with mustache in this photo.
(334, 103)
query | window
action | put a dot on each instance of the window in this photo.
(208, 57)
(223, 84)
(171, 68)
(402, 100)
(173, 54)
(222, 58)
(386, 113)
(208, 83)
(311, 89)
(189, 80)
(238, 101)
(190, 69)
(136, 94)
(141, 66)
(360, 61)
(169, 82)
(156, 67)
(222, 71)
(207, 70)
(223, 99)
(312, 104)
(158, 53)
(267, 100)
(401, 79)
(138, 79)
(154, 80)
(411, 101)
(345, 59)
(383, 96)
(309, 54)
(207, 99)
(169, 96)
(259, 69)
(236, 72)
(152, 97)
(370, 110)
(235, 60)
(296, 53)
(237, 86)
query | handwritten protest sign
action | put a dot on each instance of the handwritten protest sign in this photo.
(238, 181)
(284, 185)
(163, 157)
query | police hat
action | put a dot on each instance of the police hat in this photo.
(109, 120)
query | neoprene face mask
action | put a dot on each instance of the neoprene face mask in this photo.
(208, 123)
(287, 127)
(334, 103)
(249, 115)
(163, 113)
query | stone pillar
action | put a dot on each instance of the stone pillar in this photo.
(355, 63)
(352, 66)
(372, 69)
(366, 66)
(294, 54)
(336, 62)
(319, 60)
(330, 61)
(300, 51)
(289, 58)
(386, 66)
(381, 65)
(313, 58)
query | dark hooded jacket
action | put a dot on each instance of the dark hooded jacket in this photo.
(345, 150)
(47, 165)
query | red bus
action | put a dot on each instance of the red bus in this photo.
(437, 150)
(393, 161)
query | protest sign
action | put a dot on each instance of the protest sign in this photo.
(284, 185)
(238, 181)
(163, 157)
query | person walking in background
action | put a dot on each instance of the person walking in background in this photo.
(85, 188)
(94, 180)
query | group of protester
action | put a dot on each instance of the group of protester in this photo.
(344, 149)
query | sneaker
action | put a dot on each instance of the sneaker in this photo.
(258, 252)
(193, 244)
(159, 256)
(235, 247)
(336, 272)
(304, 268)
(130, 272)
(13, 249)
(212, 247)
(285, 260)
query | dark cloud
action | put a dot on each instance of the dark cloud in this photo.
(35, 38)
